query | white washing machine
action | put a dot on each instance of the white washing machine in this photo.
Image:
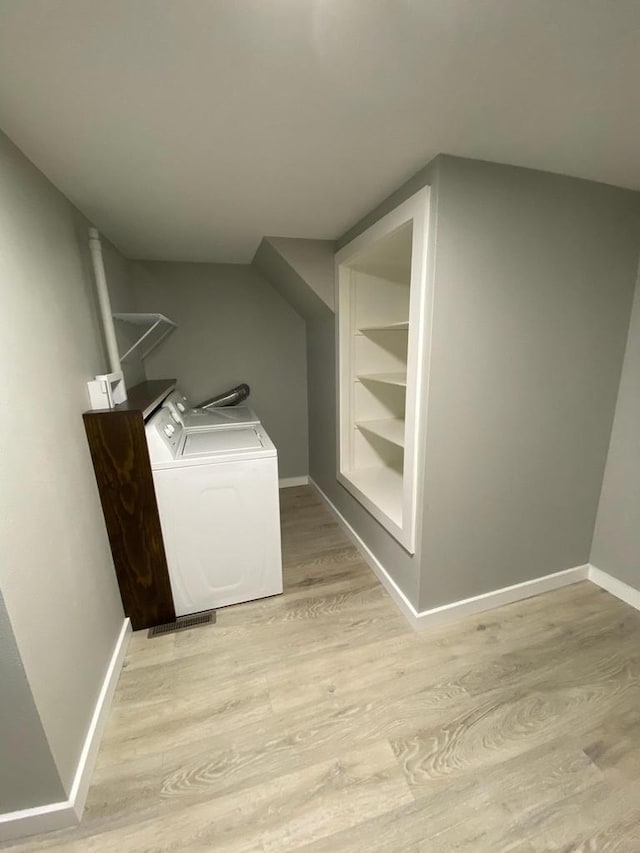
(221, 417)
(217, 493)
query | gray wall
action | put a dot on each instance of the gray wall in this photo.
(275, 265)
(313, 260)
(28, 775)
(616, 543)
(534, 283)
(232, 327)
(534, 278)
(56, 572)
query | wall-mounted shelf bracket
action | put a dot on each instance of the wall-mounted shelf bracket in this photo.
(153, 327)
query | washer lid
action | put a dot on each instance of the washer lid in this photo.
(221, 441)
(222, 416)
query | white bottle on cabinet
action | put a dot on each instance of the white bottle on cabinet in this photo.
(381, 298)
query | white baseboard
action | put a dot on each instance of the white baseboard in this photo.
(34, 821)
(69, 812)
(457, 609)
(84, 772)
(616, 587)
(500, 597)
(288, 482)
(401, 600)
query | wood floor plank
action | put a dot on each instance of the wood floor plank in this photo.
(595, 818)
(180, 719)
(278, 815)
(319, 721)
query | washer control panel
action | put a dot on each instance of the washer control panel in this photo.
(177, 404)
(164, 435)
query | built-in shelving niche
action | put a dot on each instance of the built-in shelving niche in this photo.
(381, 286)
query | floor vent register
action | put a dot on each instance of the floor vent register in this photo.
(183, 623)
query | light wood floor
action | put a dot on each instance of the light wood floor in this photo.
(319, 721)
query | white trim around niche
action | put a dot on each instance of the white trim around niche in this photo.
(415, 209)
(69, 812)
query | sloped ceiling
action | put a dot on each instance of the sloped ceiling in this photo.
(187, 130)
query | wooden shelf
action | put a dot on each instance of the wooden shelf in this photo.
(399, 379)
(383, 486)
(387, 327)
(390, 429)
(120, 457)
(146, 396)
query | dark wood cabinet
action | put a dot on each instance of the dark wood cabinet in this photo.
(121, 463)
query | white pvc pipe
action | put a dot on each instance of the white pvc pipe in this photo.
(104, 301)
